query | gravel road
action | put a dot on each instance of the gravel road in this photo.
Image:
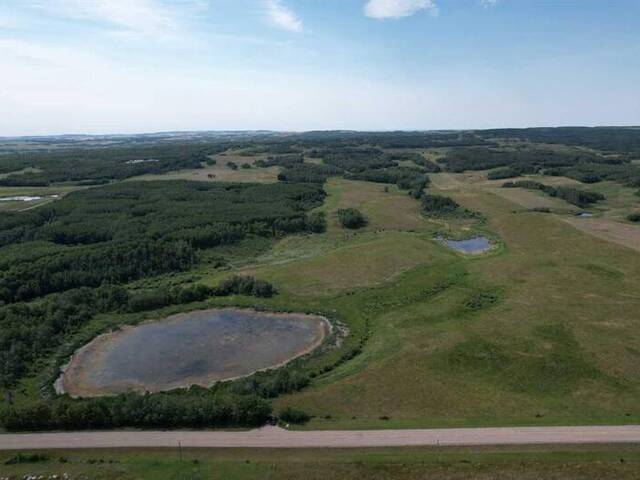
(275, 437)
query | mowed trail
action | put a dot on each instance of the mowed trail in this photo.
(274, 437)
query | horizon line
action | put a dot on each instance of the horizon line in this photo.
(297, 132)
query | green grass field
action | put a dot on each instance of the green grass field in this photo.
(555, 344)
(447, 463)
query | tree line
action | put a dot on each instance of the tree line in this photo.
(575, 196)
(197, 408)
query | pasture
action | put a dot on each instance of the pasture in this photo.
(544, 348)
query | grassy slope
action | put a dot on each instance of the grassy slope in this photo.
(559, 348)
(567, 463)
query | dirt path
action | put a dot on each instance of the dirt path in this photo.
(274, 437)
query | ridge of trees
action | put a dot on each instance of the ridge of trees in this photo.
(575, 196)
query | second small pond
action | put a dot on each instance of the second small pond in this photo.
(474, 246)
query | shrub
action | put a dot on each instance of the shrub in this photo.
(351, 218)
(634, 217)
(240, 285)
(316, 222)
(292, 415)
(438, 205)
(27, 458)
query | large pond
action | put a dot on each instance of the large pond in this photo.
(196, 348)
(475, 245)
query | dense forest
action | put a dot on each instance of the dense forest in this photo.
(612, 139)
(66, 262)
(130, 230)
(101, 165)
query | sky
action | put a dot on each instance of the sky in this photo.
(127, 66)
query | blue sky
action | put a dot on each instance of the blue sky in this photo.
(107, 66)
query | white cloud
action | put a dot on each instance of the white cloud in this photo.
(9, 19)
(488, 3)
(281, 16)
(398, 8)
(149, 18)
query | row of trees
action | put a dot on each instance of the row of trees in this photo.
(575, 196)
(198, 409)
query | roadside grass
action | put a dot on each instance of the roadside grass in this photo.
(617, 462)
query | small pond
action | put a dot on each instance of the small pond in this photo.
(26, 198)
(195, 348)
(20, 198)
(475, 245)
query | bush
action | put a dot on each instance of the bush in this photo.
(271, 383)
(316, 222)
(634, 217)
(239, 285)
(292, 415)
(437, 205)
(27, 458)
(351, 218)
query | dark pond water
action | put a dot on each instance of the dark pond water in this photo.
(196, 348)
(472, 245)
